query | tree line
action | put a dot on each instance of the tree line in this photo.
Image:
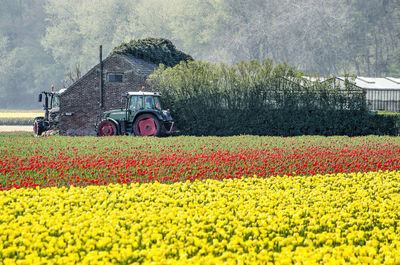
(43, 41)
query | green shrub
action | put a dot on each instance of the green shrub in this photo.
(389, 119)
(153, 50)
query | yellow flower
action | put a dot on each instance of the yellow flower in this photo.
(330, 219)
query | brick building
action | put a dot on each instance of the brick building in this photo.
(126, 69)
(82, 104)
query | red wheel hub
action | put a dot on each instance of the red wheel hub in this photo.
(107, 129)
(146, 126)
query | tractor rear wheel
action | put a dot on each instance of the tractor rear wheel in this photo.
(107, 128)
(147, 125)
(37, 127)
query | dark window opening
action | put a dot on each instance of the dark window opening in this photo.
(136, 103)
(112, 77)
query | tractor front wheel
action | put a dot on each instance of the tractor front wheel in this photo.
(107, 128)
(147, 125)
(37, 127)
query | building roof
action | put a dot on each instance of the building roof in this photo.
(140, 66)
(307, 81)
(383, 83)
(376, 82)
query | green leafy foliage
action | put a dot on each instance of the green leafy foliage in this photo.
(259, 98)
(390, 119)
(158, 51)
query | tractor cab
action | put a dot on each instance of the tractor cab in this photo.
(143, 115)
(51, 100)
(51, 107)
(137, 102)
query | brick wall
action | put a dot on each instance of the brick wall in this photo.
(82, 99)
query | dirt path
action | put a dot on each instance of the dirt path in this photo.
(16, 128)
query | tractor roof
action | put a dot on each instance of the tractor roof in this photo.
(141, 93)
(62, 90)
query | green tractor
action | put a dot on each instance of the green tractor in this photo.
(142, 116)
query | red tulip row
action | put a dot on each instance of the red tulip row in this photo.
(61, 161)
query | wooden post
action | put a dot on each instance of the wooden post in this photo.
(101, 76)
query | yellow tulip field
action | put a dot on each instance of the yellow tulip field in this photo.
(326, 219)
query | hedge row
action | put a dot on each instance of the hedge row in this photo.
(259, 98)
